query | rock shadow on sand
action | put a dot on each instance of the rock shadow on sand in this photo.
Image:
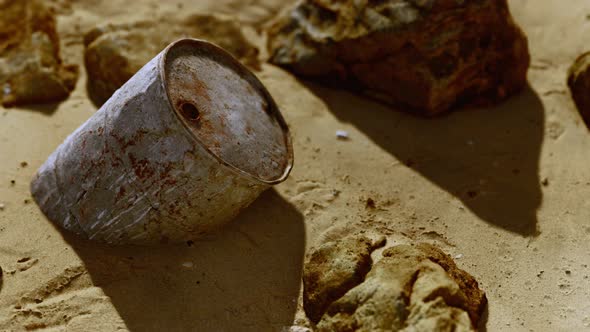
(487, 157)
(47, 109)
(246, 277)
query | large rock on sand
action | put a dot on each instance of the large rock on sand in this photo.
(31, 70)
(425, 55)
(349, 259)
(579, 84)
(410, 288)
(114, 53)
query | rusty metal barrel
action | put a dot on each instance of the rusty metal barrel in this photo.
(189, 141)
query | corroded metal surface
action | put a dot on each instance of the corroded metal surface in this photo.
(237, 121)
(139, 171)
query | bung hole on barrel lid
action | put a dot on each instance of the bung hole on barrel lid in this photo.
(190, 111)
(228, 110)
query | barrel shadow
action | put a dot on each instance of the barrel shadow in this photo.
(246, 277)
(488, 158)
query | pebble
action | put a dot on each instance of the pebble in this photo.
(342, 134)
(296, 328)
(188, 265)
(7, 89)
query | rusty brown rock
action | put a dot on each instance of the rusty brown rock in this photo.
(411, 288)
(579, 84)
(31, 70)
(114, 53)
(425, 55)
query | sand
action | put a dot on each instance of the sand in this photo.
(502, 189)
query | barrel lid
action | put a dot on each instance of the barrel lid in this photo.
(227, 109)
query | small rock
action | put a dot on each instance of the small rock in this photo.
(114, 53)
(426, 55)
(188, 265)
(31, 70)
(2, 206)
(24, 164)
(411, 288)
(342, 135)
(296, 328)
(579, 83)
(459, 256)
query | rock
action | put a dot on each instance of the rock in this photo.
(114, 53)
(333, 269)
(31, 70)
(425, 55)
(296, 328)
(411, 288)
(579, 84)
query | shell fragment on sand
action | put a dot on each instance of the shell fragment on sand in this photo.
(31, 70)
(427, 56)
(180, 149)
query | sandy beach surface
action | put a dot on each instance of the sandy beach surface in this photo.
(502, 189)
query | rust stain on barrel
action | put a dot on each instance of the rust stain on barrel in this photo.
(237, 117)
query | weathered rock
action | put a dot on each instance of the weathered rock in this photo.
(31, 70)
(425, 55)
(114, 53)
(333, 269)
(409, 289)
(579, 84)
